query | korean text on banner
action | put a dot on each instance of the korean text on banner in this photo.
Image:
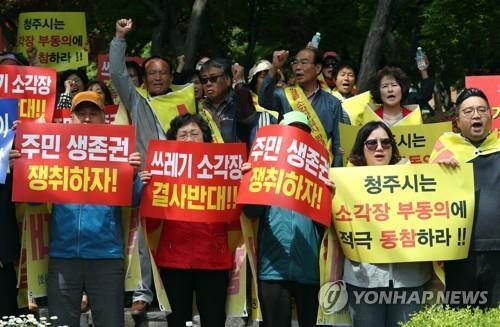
(103, 65)
(192, 181)
(490, 85)
(59, 37)
(72, 163)
(289, 169)
(404, 213)
(415, 142)
(34, 87)
(8, 114)
(37, 222)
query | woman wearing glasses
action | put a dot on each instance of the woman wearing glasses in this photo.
(375, 146)
(193, 257)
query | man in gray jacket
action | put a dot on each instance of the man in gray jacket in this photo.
(157, 79)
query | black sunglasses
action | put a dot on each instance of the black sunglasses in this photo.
(373, 144)
(212, 79)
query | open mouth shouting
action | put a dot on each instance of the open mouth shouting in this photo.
(477, 127)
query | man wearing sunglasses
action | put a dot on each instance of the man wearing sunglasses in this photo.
(232, 110)
(322, 108)
(330, 61)
(477, 144)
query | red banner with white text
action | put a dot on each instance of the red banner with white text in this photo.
(289, 170)
(72, 163)
(34, 87)
(103, 65)
(196, 182)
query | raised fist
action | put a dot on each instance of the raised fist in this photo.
(123, 26)
(279, 58)
(238, 72)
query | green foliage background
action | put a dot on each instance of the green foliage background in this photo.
(459, 37)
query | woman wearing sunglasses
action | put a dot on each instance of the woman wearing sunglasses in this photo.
(375, 146)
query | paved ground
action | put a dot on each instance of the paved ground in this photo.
(156, 319)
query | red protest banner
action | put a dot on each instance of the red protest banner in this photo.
(34, 87)
(72, 163)
(103, 65)
(289, 170)
(196, 182)
(64, 115)
(110, 111)
(490, 85)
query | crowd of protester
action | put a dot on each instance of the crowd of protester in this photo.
(195, 257)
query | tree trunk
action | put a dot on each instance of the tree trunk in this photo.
(393, 49)
(174, 36)
(373, 41)
(252, 33)
(157, 36)
(195, 22)
(213, 47)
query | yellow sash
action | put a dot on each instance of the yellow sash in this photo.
(207, 116)
(453, 145)
(338, 95)
(167, 106)
(255, 99)
(298, 101)
(322, 83)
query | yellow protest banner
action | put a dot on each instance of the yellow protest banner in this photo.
(37, 249)
(236, 302)
(60, 38)
(404, 213)
(332, 297)
(415, 142)
(355, 106)
(131, 221)
(21, 271)
(168, 106)
(161, 294)
(249, 229)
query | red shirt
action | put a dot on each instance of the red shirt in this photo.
(186, 245)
